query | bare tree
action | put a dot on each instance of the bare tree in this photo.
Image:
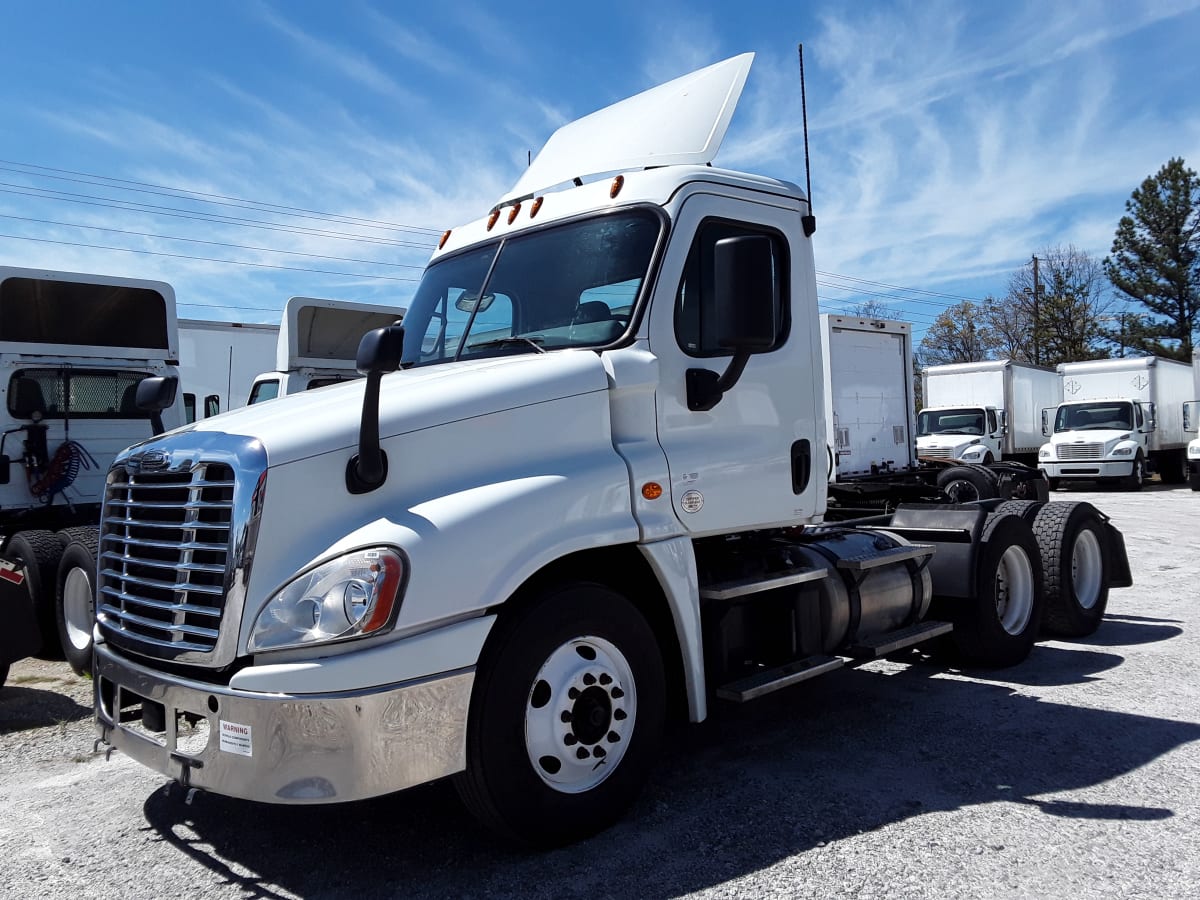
(959, 334)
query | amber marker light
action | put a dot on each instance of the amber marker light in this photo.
(512, 213)
(618, 183)
(651, 490)
(537, 204)
(492, 219)
(445, 237)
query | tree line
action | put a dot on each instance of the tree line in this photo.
(1065, 305)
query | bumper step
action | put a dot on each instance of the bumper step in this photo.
(883, 644)
(769, 680)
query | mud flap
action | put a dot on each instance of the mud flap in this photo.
(19, 636)
(1119, 575)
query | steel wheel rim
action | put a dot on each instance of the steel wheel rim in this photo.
(1014, 590)
(580, 714)
(77, 608)
(962, 491)
(1086, 568)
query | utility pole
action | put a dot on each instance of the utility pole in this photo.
(1037, 293)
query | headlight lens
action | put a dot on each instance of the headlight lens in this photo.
(1046, 453)
(348, 597)
(1123, 451)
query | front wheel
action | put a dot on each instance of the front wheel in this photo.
(999, 626)
(566, 716)
(1136, 478)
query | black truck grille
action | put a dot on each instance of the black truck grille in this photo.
(164, 552)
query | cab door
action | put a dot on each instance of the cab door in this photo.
(754, 458)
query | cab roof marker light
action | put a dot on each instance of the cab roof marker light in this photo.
(512, 213)
(537, 205)
(617, 184)
(491, 222)
(445, 237)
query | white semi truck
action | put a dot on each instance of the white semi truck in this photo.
(580, 491)
(1120, 419)
(980, 412)
(316, 345)
(218, 363)
(874, 450)
(73, 350)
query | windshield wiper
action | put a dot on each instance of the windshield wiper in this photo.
(535, 343)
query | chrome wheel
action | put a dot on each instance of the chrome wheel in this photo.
(78, 608)
(1087, 568)
(1014, 590)
(580, 714)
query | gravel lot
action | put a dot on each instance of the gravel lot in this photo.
(1074, 775)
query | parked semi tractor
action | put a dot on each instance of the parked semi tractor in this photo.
(874, 452)
(316, 345)
(581, 490)
(73, 349)
(980, 412)
(1191, 424)
(1120, 420)
(218, 362)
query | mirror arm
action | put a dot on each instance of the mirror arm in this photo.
(368, 470)
(705, 388)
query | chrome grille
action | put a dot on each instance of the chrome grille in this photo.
(1080, 451)
(164, 552)
(936, 452)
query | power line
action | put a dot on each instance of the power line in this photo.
(175, 212)
(899, 288)
(231, 262)
(167, 237)
(185, 193)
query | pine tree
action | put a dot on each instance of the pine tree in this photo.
(1156, 260)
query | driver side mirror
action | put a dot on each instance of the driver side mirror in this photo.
(153, 395)
(1190, 423)
(1151, 418)
(1046, 421)
(1002, 415)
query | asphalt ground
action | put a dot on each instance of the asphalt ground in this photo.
(1074, 775)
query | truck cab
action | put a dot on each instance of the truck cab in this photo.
(972, 434)
(316, 344)
(1101, 439)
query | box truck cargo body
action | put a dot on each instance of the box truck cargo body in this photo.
(218, 362)
(984, 411)
(1120, 419)
(1191, 424)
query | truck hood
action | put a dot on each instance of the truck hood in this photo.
(327, 419)
(1104, 436)
(956, 443)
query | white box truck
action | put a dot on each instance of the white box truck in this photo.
(1191, 423)
(1120, 420)
(73, 350)
(581, 491)
(980, 412)
(316, 344)
(218, 362)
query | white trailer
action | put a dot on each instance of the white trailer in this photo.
(317, 343)
(580, 491)
(218, 362)
(1191, 424)
(868, 394)
(74, 349)
(979, 412)
(1119, 420)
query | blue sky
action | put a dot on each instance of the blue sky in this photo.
(950, 141)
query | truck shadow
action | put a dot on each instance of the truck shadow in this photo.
(753, 785)
(24, 708)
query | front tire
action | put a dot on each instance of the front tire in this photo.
(1071, 539)
(1136, 479)
(75, 606)
(566, 716)
(999, 626)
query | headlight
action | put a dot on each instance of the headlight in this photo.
(1046, 453)
(1123, 451)
(1194, 450)
(348, 597)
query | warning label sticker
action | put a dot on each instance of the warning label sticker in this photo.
(235, 738)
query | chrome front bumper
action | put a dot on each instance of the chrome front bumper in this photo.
(278, 748)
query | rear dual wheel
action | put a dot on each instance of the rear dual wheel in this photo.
(75, 608)
(566, 716)
(1072, 542)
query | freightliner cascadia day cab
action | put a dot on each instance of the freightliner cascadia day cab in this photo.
(1120, 420)
(984, 411)
(582, 489)
(317, 343)
(73, 349)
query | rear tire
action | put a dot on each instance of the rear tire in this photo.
(566, 716)
(965, 484)
(999, 626)
(1194, 482)
(1174, 467)
(75, 606)
(1072, 543)
(39, 551)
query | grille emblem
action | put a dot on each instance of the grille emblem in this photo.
(148, 460)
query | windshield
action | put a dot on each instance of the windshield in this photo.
(1107, 414)
(950, 421)
(573, 285)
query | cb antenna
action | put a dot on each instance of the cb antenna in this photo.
(809, 222)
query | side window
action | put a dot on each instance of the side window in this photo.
(697, 306)
(189, 408)
(263, 390)
(212, 405)
(1137, 412)
(993, 427)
